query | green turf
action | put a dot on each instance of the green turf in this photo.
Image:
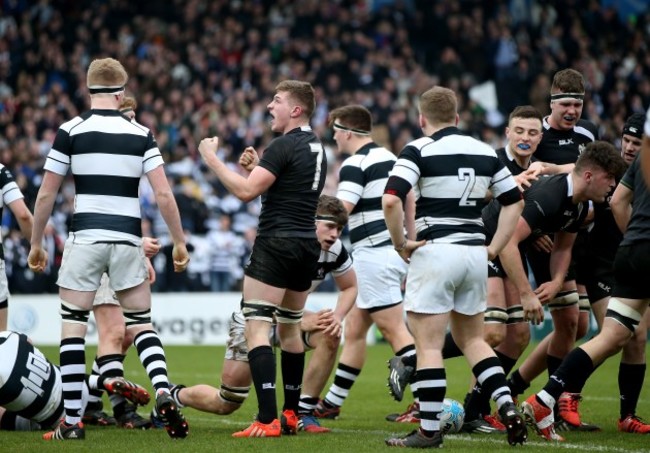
(361, 427)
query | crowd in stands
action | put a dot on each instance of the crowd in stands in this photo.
(201, 68)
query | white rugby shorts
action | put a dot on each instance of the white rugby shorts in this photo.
(446, 277)
(380, 274)
(84, 264)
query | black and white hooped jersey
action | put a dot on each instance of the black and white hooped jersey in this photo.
(10, 193)
(29, 384)
(107, 155)
(451, 173)
(336, 261)
(362, 180)
(564, 147)
(298, 161)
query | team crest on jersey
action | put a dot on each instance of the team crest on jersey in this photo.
(581, 147)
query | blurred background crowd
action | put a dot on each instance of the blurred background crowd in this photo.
(209, 67)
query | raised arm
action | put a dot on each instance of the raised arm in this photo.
(246, 189)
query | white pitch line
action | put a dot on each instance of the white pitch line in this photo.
(463, 437)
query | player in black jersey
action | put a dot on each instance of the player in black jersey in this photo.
(565, 134)
(564, 139)
(555, 204)
(629, 302)
(290, 177)
(603, 240)
(321, 332)
(645, 150)
(524, 133)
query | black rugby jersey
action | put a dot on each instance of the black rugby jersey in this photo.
(638, 230)
(29, 384)
(509, 161)
(548, 207)
(298, 161)
(604, 237)
(564, 147)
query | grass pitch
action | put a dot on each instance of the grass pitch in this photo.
(361, 427)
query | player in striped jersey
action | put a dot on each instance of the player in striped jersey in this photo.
(447, 277)
(321, 332)
(380, 270)
(107, 155)
(31, 388)
(114, 337)
(13, 198)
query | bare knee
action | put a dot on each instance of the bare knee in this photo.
(494, 334)
(519, 336)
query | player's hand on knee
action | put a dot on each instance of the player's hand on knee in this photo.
(334, 329)
(319, 320)
(547, 291)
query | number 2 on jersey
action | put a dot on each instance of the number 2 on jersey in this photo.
(318, 149)
(467, 174)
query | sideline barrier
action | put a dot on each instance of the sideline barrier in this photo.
(179, 318)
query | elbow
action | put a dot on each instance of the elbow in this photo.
(25, 218)
(246, 197)
(389, 202)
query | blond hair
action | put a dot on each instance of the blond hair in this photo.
(439, 105)
(106, 73)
